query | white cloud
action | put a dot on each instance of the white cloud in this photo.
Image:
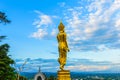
(74, 22)
(88, 68)
(102, 47)
(54, 32)
(88, 25)
(94, 25)
(72, 64)
(43, 20)
(61, 4)
(117, 24)
(44, 23)
(41, 33)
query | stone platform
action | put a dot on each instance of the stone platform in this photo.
(63, 75)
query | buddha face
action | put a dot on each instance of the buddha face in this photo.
(61, 27)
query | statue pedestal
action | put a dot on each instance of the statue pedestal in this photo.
(64, 75)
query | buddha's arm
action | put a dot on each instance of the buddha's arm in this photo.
(57, 38)
(66, 42)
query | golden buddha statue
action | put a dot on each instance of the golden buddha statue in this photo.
(62, 46)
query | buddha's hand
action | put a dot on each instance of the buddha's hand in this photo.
(68, 50)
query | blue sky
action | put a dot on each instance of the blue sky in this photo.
(92, 27)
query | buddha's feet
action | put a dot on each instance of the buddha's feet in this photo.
(61, 67)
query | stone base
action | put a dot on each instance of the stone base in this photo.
(64, 75)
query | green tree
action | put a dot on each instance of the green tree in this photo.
(6, 71)
(23, 78)
(51, 77)
(3, 18)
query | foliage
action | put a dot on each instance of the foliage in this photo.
(22, 78)
(51, 78)
(1, 37)
(3, 18)
(6, 71)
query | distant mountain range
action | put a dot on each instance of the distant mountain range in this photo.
(30, 75)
